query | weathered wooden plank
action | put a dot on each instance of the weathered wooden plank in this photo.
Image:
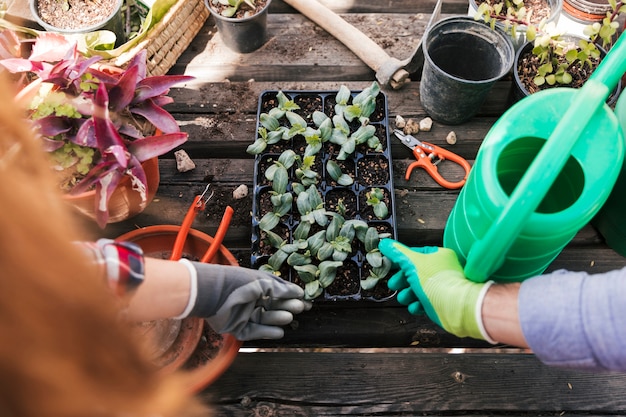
(395, 6)
(241, 98)
(298, 49)
(354, 383)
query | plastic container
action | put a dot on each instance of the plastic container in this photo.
(524, 246)
(243, 35)
(577, 14)
(543, 171)
(362, 166)
(463, 58)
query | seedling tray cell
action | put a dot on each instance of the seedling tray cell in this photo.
(369, 166)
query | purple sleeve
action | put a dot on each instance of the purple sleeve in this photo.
(577, 320)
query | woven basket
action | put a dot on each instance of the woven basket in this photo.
(167, 40)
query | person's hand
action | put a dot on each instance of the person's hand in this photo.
(247, 303)
(432, 279)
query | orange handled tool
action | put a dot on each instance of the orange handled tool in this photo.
(197, 205)
(429, 156)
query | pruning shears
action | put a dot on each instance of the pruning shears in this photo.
(428, 156)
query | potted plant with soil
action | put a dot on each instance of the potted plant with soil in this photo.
(103, 127)
(551, 58)
(242, 24)
(317, 208)
(78, 16)
(516, 16)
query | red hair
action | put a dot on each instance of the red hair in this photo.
(64, 351)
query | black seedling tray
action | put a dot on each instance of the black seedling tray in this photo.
(369, 168)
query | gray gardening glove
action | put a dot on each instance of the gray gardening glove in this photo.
(247, 303)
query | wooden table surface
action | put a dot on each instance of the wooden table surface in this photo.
(355, 358)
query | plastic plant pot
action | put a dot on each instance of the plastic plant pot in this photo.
(243, 35)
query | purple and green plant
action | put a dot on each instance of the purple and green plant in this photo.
(98, 125)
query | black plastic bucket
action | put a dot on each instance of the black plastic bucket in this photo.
(463, 59)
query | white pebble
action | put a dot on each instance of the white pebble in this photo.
(426, 124)
(400, 122)
(451, 138)
(183, 161)
(240, 192)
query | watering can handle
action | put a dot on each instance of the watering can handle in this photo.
(487, 255)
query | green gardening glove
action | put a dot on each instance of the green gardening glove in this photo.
(432, 278)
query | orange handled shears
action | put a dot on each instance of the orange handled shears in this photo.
(429, 156)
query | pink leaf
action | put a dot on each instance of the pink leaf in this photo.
(144, 149)
(50, 47)
(159, 117)
(157, 85)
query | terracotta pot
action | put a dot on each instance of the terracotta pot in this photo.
(125, 202)
(157, 241)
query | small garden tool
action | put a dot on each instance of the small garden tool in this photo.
(543, 171)
(199, 204)
(429, 156)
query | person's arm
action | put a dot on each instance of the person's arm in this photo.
(247, 303)
(164, 292)
(500, 315)
(570, 319)
(576, 319)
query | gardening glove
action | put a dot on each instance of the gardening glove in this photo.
(432, 278)
(247, 303)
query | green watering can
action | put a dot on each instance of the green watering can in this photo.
(542, 172)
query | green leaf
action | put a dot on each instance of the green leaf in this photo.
(319, 118)
(280, 179)
(268, 221)
(296, 120)
(312, 290)
(307, 273)
(334, 170)
(302, 230)
(269, 122)
(371, 239)
(257, 147)
(287, 158)
(374, 258)
(274, 239)
(369, 282)
(328, 272)
(343, 95)
(296, 259)
(345, 180)
(381, 211)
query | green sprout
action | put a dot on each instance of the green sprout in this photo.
(376, 199)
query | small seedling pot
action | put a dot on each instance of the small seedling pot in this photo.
(243, 35)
